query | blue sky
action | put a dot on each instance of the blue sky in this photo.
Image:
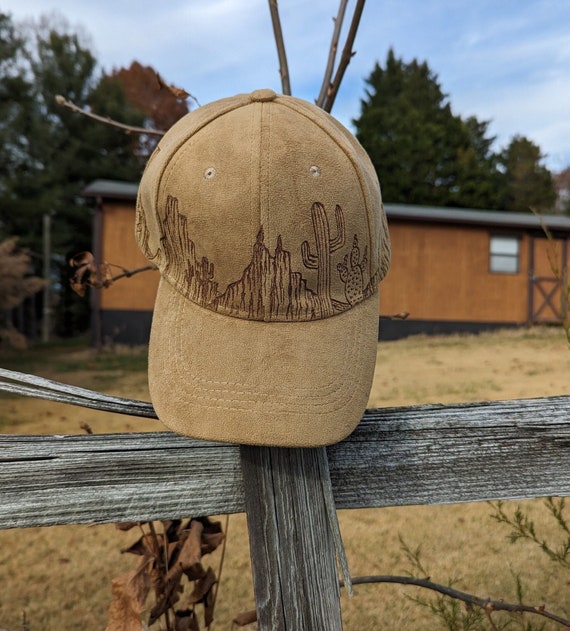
(507, 61)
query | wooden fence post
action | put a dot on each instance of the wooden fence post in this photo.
(292, 547)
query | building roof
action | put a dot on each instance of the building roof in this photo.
(114, 189)
(493, 218)
(111, 189)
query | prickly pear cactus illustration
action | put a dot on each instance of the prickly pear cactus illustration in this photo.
(351, 273)
(325, 246)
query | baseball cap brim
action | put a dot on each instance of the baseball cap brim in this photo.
(286, 384)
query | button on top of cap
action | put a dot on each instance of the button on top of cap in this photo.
(262, 95)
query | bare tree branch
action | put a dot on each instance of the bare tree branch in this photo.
(283, 67)
(403, 315)
(346, 56)
(489, 606)
(60, 100)
(127, 273)
(325, 87)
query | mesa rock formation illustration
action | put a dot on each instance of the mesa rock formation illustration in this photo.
(268, 289)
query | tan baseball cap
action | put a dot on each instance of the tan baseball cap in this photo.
(264, 217)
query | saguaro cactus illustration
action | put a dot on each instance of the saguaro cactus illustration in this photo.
(325, 246)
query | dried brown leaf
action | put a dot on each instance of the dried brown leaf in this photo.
(209, 525)
(105, 274)
(195, 572)
(146, 545)
(127, 525)
(203, 587)
(179, 93)
(212, 536)
(130, 591)
(172, 529)
(166, 597)
(210, 541)
(190, 551)
(86, 271)
(186, 621)
(82, 259)
(210, 601)
(78, 287)
(245, 618)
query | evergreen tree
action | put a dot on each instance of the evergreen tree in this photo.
(423, 153)
(530, 183)
(52, 153)
(15, 91)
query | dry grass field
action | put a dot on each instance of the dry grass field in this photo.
(61, 576)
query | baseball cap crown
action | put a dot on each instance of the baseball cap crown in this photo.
(262, 209)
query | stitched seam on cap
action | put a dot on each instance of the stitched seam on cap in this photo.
(272, 401)
(252, 396)
(173, 341)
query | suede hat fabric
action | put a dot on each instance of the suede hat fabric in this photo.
(264, 217)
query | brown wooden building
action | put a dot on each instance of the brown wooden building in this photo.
(452, 269)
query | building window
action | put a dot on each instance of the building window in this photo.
(504, 255)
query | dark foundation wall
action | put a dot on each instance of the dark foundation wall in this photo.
(398, 329)
(128, 327)
(133, 327)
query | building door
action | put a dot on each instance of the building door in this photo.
(548, 280)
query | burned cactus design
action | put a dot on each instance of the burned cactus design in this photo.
(351, 273)
(269, 289)
(325, 245)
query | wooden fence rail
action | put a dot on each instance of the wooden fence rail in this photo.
(425, 454)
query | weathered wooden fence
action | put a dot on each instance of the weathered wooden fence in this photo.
(430, 454)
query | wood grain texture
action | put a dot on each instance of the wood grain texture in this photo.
(398, 456)
(292, 549)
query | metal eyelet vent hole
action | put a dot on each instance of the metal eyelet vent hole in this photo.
(315, 171)
(209, 173)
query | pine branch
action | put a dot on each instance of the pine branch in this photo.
(130, 129)
(278, 33)
(522, 527)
